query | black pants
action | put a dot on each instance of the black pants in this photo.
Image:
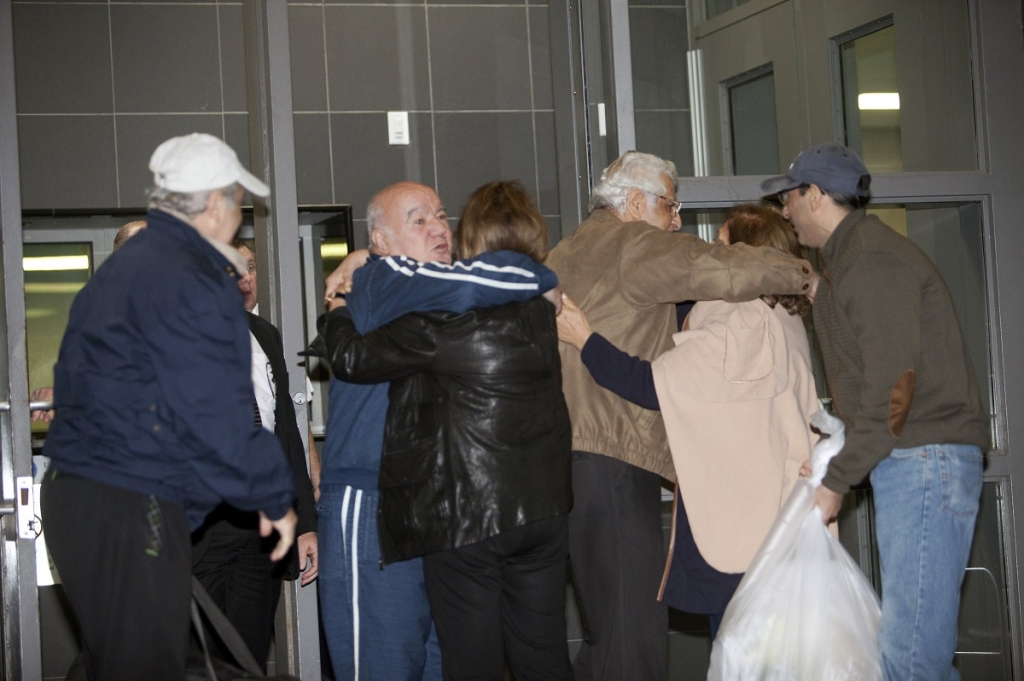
(232, 561)
(617, 555)
(124, 560)
(503, 595)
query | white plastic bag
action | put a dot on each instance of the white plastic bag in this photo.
(804, 610)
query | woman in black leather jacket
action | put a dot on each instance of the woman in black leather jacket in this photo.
(477, 454)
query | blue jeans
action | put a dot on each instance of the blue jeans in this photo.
(926, 502)
(376, 621)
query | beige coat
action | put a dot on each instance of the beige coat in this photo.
(737, 393)
(627, 277)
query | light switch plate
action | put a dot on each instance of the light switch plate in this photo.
(398, 127)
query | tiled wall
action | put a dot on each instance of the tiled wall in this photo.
(100, 84)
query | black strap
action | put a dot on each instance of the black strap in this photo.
(197, 622)
(225, 630)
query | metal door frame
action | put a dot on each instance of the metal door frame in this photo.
(21, 642)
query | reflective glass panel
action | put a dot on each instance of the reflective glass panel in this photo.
(716, 7)
(54, 274)
(755, 141)
(906, 86)
(871, 100)
(983, 647)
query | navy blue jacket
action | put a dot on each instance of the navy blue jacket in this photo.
(152, 385)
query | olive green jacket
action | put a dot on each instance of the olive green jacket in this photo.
(895, 358)
(627, 277)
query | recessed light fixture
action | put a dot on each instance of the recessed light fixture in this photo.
(54, 287)
(55, 263)
(878, 101)
(337, 250)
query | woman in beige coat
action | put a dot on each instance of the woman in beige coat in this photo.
(736, 395)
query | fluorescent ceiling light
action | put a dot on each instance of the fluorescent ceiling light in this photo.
(878, 101)
(55, 263)
(58, 287)
(334, 250)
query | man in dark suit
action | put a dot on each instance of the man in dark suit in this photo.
(228, 555)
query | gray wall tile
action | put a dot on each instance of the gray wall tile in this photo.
(236, 134)
(375, 2)
(232, 57)
(165, 58)
(377, 58)
(312, 158)
(540, 54)
(658, 46)
(137, 139)
(476, 2)
(306, 43)
(476, 148)
(67, 161)
(167, 62)
(62, 59)
(666, 134)
(547, 163)
(364, 162)
(554, 236)
(496, 75)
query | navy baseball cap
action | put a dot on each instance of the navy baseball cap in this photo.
(831, 166)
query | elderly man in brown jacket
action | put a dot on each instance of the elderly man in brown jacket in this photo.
(627, 270)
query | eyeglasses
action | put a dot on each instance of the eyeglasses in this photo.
(673, 206)
(784, 196)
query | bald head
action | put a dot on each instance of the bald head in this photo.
(127, 231)
(408, 218)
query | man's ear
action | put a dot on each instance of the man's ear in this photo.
(814, 196)
(636, 203)
(379, 242)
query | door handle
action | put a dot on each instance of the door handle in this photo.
(34, 405)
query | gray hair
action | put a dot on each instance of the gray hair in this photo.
(632, 170)
(375, 216)
(374, 213)
(188, 204)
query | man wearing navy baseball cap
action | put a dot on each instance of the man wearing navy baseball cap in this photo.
(901, 379)
(154, 419)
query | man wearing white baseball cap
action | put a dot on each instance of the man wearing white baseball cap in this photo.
(154, 423)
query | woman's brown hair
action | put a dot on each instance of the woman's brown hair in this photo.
(500, 216)
(757, 224)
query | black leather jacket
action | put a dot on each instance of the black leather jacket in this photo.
(478, 439)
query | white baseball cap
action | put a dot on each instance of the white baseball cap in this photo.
(200, 163)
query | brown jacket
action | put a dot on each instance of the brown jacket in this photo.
(896, 362)
(627, 277)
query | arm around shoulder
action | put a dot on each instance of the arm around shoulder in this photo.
(400, 349)
(665, 267)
